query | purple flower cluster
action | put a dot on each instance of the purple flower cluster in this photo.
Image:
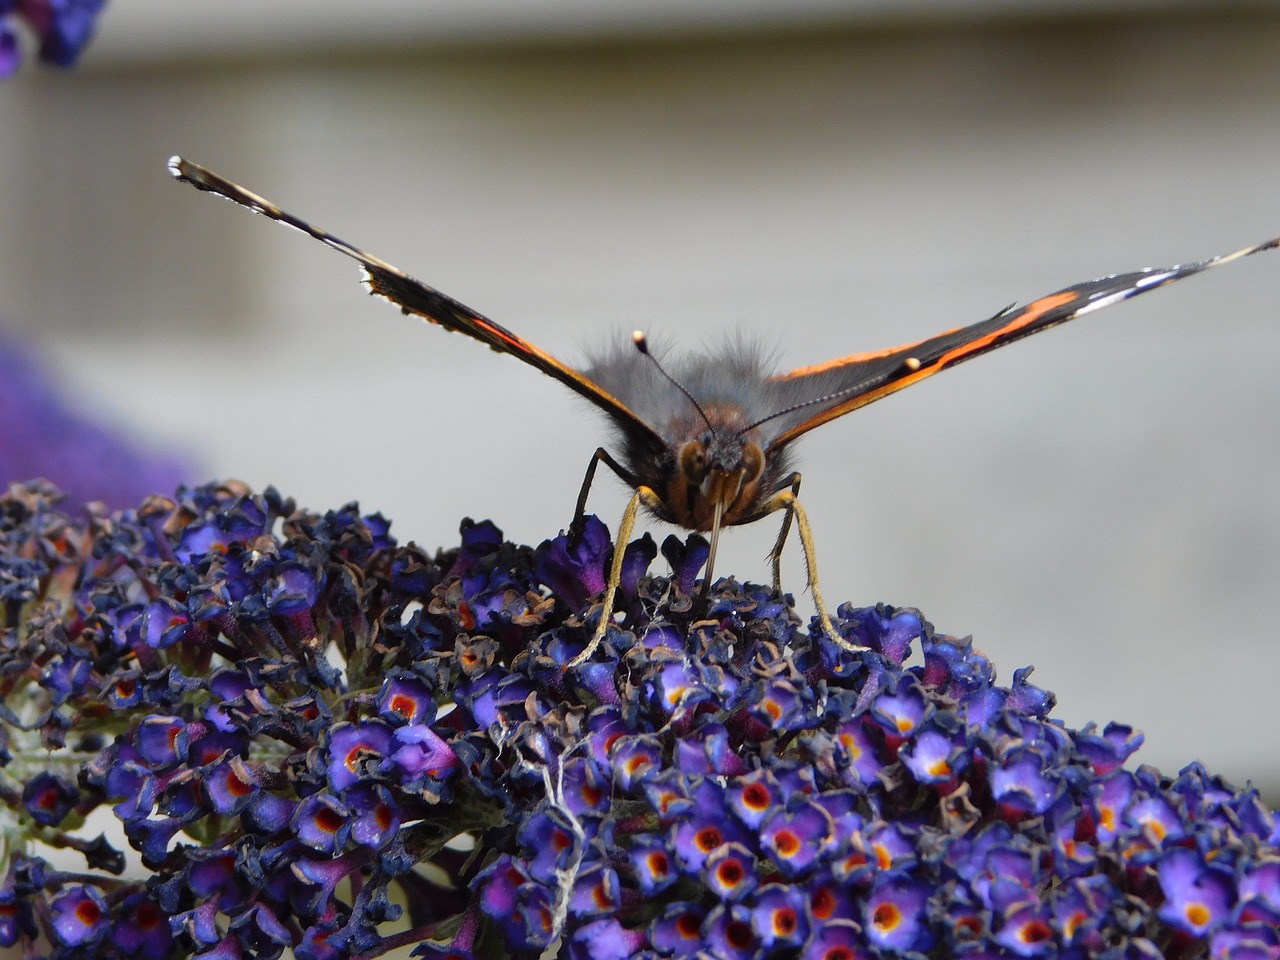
(62, 27)
(318, 739)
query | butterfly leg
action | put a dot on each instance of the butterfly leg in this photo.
(579, 511)
(644, 496)
(775, 557)
(787, 501)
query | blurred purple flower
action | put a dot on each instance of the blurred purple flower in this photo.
(42, 436)
(63, 28)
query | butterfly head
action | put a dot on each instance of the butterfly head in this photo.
(717, 473)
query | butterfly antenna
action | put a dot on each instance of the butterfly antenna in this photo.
(642, 344)
(909, 363)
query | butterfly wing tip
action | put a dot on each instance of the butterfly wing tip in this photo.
(177, 167)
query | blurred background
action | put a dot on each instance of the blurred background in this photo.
(1102, 502)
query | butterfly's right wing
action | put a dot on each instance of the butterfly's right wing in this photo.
(811, 396)
(414, 296)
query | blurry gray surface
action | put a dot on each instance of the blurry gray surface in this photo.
(1101, 501)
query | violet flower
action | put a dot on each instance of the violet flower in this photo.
(41, 436)
(62, 29)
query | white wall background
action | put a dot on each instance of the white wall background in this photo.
(1102, 501)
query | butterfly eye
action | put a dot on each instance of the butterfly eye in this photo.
(693, 462)
(752, 463)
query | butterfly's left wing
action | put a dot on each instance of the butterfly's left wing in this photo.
(414, 296)
(810, 396)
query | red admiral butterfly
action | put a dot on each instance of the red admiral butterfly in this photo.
(710, 447)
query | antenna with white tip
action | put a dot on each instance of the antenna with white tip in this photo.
(642, 344)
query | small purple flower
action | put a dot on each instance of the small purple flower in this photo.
(549, 842)
(226, 684)
(323, 823)
(404, 698)
(893, 844)
(164, 622)
(420, 752)
(574, 569)
(15, 916)
(678, 930)
(1198, 897)
(794, 839)
(143, 930)
(376, 818)
(686, 558)
(266, 813)
(779, 917)
(730, 872)
(705, 828)
(261, 931)
(586, 787)
(606, 940)
(80, 916)
(679, 687)
(49, 798)
(1026, 699)
(1111, 796)
(292, 590)
(902, 712)
(1026, 932)
(606, 728)
(595, 892)
(931, 757)
(830, 900)
(712, 753)
(633, 758)
(859, 752)
(200, 924)
(1244, 945)
(352, 747)
(1259, 890)
(729, 935)
(159, 740)
(780, 705)
(1157, 818)
(755, 796)
(893, 916)
(230, 787)
(651, 866)
(668, 796)
(836, 940)
(1080, 910)
(1109, 751)
(1022, 783)
(883, 628)
(212, 876)
(10, 51)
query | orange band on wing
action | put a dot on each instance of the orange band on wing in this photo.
(926, 367)
(1029, 316)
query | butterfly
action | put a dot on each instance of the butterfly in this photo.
(709, 446)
